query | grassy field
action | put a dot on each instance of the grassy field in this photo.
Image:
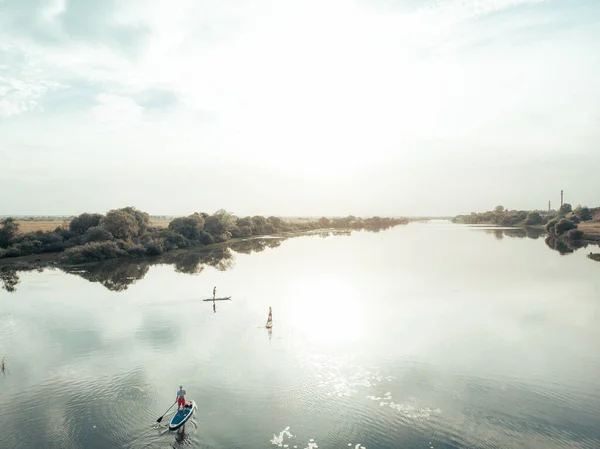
(26, 226)
(590, 229)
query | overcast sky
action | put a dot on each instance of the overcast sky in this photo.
(313, 107)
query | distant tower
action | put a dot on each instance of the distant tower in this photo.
(561, 198)
(549, 206)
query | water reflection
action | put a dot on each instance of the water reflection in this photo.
(9, 275)
(562, 245)
(255, 245)
(193, 262)
(519, 233)
(118, 275)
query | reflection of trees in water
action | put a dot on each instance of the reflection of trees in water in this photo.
(255, 245)
(116, 276)
(515, 233)
(519, 233)
(338, 233)
(9, 275)
(564, 245)
(535, 233)
(193, 262)
(10, 280)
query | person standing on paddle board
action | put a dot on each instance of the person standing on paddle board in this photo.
(270, 315)
(214, 292)
(181, 398)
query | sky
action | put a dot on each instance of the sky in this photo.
(319, 107)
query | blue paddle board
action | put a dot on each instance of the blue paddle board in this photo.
(181, 417)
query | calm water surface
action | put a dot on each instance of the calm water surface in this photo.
(429, 335)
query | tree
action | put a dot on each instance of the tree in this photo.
(565, 209)
(563, 226)
(96, 234)
(258, 225)
(214, 226)
(244, 222)
(227, 219)
(583, 213)
(324, 222)
(142, 218)
(277, 222)
(533, 218)
(190, 227)
(8, 231)
(121, 224)
(499, 209)
(83, 222)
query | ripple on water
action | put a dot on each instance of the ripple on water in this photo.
(284, 440)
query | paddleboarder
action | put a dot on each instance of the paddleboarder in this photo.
(181, 398)
(214, 292)
(270, 314)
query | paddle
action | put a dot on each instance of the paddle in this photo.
(160, 419)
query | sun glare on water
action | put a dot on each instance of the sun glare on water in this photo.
(327, 311)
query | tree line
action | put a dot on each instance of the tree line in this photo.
(560, 225)
(504, 217)
(129, 232)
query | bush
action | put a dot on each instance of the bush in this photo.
(83, 222)
(154, 249)
(533, 219)
(96, 234)
(574, 234)
(92, 252)
(65, 234)
(550, 225)
(121, 224)
(584, 214)
(28, 247)
(206, 238)
(13, 251)
(136, 250)
(175, 240)
(189, 227)
(2, 253)
(563, 226)
(236, 232)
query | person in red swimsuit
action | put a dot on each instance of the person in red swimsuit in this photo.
(181, 398)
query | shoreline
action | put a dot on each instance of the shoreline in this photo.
(43, 260)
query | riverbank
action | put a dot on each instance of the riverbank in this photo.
(130, 233)
(34, 261)
(590, 230)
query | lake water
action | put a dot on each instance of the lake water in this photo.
(430, 335)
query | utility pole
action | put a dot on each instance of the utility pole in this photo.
(561, 198)
(549, 206)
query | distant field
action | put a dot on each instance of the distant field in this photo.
(163, 223)
(26, 226)
(590, 228)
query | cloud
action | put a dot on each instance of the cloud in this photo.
(316, 92)
(117, 111)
